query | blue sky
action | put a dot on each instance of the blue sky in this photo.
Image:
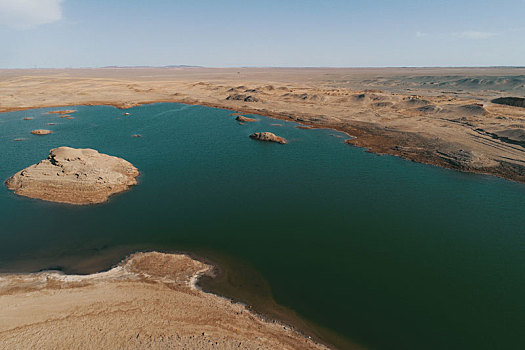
(223, 33)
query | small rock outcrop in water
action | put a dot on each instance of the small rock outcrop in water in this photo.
(268, 136)
(242, 118)
(41, 132)
(68, 111)
(75, 176)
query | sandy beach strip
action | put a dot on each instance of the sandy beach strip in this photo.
(150, 300)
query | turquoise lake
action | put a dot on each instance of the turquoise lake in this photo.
(383, 252)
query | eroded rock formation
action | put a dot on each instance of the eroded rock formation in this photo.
(268, 136)
(75, 176)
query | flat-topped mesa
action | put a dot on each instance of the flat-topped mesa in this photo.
(74, 176)
(268, 136)
(510, 101)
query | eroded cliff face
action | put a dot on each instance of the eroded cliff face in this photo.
(510, 101)
(75, 176)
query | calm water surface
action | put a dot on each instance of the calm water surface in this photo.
(388, 253)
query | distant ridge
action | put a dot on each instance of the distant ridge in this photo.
(168, 66)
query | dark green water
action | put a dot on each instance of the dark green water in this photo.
(386, 252)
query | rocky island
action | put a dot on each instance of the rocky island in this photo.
(74, 176)
(41, 132)
(268, 136)
(241, 118)
(68, 111)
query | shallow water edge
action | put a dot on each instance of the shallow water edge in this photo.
(230, 279)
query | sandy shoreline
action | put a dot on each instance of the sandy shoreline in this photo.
(364, 135)
(148, 300)
(442, 117)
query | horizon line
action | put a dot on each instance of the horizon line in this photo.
(255, 66)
